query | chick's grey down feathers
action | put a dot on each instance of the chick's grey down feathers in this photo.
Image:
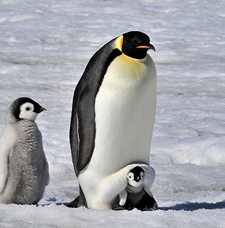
(27, 167)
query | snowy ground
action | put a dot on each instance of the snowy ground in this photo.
(44, 47)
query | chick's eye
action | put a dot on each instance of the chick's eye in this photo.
(28, 108)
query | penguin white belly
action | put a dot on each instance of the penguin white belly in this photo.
(125, 113)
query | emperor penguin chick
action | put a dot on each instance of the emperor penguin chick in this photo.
(24, 169)
(137, 194)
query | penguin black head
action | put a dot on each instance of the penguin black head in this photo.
(136, 44)
(136, 176)
(25, 108)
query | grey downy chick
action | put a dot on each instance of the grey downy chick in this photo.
(24, 171)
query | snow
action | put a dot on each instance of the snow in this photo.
(44, 48)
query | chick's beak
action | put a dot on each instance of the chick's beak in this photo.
(42, 109)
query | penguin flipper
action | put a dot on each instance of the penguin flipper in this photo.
(46, 171)
(3, 171)
(82, 127)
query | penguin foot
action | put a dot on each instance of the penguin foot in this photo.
(147, 203)
(118, 208)
(74, 203)
(128, 206)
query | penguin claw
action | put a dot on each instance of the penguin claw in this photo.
(74, 203)
(155, 206)
(147, 204)
(118, 208)
(128, 206)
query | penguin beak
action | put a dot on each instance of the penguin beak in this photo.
(149, 46)
(41, 109)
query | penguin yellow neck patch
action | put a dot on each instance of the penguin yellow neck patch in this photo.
(119, 43)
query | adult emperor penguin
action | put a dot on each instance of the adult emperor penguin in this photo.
(113, 113)
(23, 165)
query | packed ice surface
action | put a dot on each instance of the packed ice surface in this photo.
(44, 48)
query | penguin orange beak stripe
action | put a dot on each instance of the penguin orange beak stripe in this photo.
(150, 46)
(143, 47)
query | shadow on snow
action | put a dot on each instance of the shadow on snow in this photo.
(187, 206)
(193, 206)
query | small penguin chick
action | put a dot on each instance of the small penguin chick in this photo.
(135, 179)
(23, 166)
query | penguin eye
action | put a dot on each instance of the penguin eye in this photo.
(29, 108)
(134, 42)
